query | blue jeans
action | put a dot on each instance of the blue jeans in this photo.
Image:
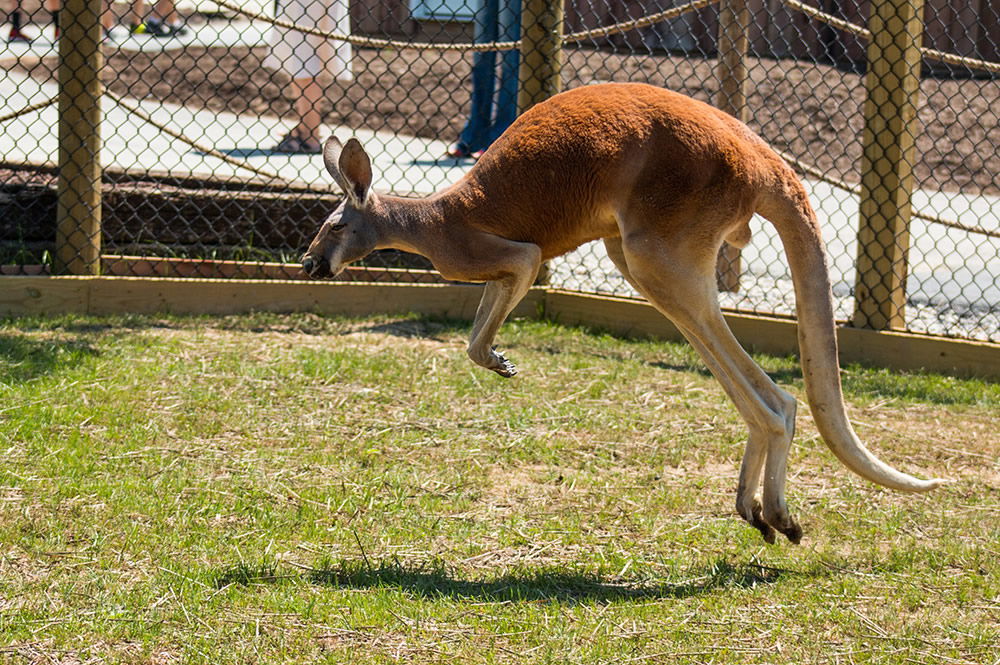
(493, 110)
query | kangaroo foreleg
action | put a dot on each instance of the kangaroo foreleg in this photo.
(498, 299)
(520, 266)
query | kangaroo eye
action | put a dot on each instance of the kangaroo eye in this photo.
(339, 226)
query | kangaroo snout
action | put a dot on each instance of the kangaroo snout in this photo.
(315, 266)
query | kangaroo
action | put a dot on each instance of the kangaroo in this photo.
(664, 180)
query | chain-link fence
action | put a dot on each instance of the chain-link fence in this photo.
(205, 118)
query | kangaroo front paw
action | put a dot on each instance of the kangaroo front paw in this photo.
(503, 367)
(492, 359)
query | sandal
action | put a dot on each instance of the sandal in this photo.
(294, 145)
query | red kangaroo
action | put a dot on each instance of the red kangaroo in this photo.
(664, 180)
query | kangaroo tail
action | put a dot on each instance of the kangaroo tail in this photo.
(795, 221)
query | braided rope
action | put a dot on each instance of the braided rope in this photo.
(642, 22)
(960, 60)
(864, 33)
(368, 42)
(829, 19)
(180, 137)
(29, 109)
(814, 172)
(372, 42)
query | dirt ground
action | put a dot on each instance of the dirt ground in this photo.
(813, 112)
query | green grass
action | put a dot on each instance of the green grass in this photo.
(300, 489)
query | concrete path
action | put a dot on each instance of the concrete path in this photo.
(405, 164)
(949, 269)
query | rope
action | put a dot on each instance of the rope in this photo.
(368, 42)
(929, 53)
(839, 23)
(960, 60)
(572, 38)
(814, 172)
(605, 31)
(180, 137)
(29, 109)
(642, 22)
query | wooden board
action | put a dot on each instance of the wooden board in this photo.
(28, 296)
(779, 336)
(153, 266)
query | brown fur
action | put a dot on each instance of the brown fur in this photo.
(664, 180)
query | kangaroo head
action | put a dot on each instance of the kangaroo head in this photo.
(347, 234)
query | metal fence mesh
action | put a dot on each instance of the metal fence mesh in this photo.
(198, 96)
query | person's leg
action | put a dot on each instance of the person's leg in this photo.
(475, 135)
(164, 21)
(165, 11)
(16, 23)
(309, 94)
(509, 30)
(135, 16)
(304, 137)
(52, 6)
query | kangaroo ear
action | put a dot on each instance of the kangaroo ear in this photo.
(350, 166)
(356, 167)
(331, 156)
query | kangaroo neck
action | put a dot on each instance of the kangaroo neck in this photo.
(408, 224)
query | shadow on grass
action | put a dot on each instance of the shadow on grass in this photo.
(858, 380)
(422, 327)
(23, 359)
(541, 584)
(432, 328)
(433, 580)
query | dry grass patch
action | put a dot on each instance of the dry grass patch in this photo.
(302, 489)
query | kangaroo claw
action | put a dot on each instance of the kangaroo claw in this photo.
(506, 368)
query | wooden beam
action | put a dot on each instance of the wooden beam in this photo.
(155, 266)
(78, 232)
(31, 296)
(778, 336)
(43, 296)
(731, 70)
(888, 144)
(541, 52)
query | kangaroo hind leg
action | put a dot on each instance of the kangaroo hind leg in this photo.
(677, 275)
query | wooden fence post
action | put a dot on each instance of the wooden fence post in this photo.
(893, 88)
(541, 51)
(731, 70)
(78, 231)
(540, 70)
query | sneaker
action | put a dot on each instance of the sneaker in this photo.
(459, 151)
(17, 36)
(137, 29)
